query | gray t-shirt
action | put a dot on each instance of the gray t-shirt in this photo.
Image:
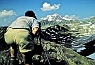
(25, 22)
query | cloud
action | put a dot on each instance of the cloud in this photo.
(5, 13)
(6, 17)
(47, 7)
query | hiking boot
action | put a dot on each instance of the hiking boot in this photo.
(14, 61)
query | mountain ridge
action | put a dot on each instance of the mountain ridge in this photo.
(58, 18)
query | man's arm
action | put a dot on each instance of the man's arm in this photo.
(35, 30)
(35, 26)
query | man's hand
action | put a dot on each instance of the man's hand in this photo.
(35, 30)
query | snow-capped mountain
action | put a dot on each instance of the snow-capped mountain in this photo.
(84, 27)
(58, 18)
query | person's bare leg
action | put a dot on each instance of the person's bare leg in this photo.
(12, 57)
(23, 55)
(23, 58)
(12, 52)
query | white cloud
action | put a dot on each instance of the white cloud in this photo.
(6, 17)
(5, 13)
(47, 7)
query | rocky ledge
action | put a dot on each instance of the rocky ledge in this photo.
(46, 53)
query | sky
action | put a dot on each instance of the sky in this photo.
(11, 9)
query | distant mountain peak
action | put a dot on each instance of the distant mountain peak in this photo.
(58, 18)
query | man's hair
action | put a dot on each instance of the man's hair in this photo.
(30, 14)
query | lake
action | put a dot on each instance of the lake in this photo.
(92, 56)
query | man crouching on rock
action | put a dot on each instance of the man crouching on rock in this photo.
(20, 33)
